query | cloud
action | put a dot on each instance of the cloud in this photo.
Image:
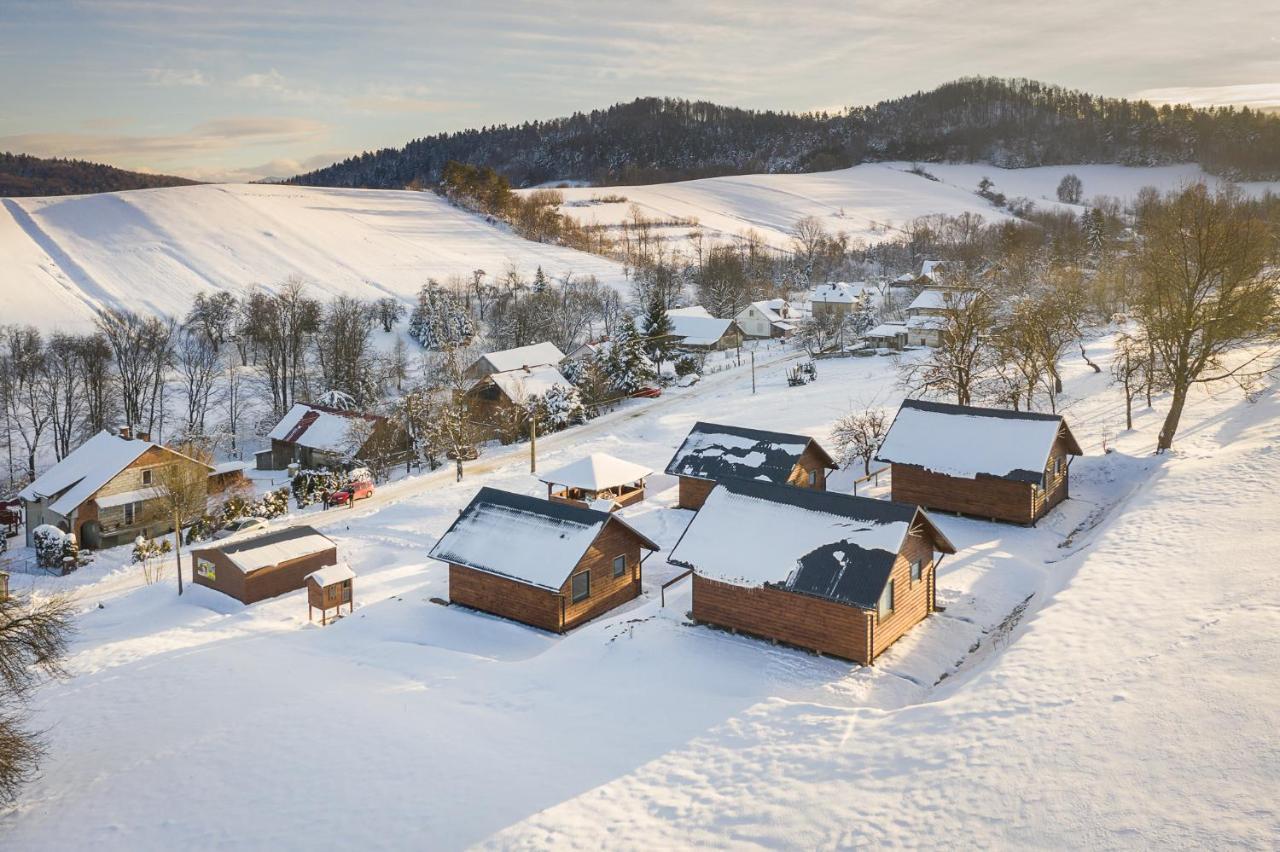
(1265, 96)
(274, 84)
(176, 77)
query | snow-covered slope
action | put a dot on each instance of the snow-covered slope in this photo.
(868, 201)
(152, 250)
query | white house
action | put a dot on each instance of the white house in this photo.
(836, 298)
(767, 318)
(927, 317)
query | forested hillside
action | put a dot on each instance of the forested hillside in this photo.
(1012, 123)
(22, 175)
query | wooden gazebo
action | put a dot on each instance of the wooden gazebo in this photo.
(330, 588)
(597, 480)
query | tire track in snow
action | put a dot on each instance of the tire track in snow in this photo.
(71, 269)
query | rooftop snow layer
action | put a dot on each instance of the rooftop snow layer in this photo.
(695, 326)
(534, 355)
(832, 545)
(273, 548)
(317, 428)
(535, 541)
(714, 451)
(838, 293)
(966, 441)
(331, 574)
(522, 384)
(929, 300)
(595, 472)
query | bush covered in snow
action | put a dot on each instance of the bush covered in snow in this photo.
(310, 486)
(440, 319)
(559, 407)
(51, 545)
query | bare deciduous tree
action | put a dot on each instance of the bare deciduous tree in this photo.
(858, 435)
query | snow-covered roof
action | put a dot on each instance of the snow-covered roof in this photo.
(840, 292)
(124, 497)
(318, 427)
(331, 574)
(229, 467)
(715, 451)
(931, 269)
(696, 327)
(526, 383)
(283, 545)
(533, 355)
(835, 546)
(774, 310)
(596, 472)
(927, 323)
(86, 469)
(887, 329)
(524, 538)
(967, 441)
(929, 300)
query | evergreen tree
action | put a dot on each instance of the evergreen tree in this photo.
(628, 367)
(440, 319)
(539, 281)
(657, 330)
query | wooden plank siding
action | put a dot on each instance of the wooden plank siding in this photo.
(151, 517)
(261, 584)
(504, 597)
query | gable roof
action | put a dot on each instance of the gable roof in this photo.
(263, 551)
(526, 382)
(330, 574)
(830, 545)
(596, 471)
(522, 538)
(930, 299)
(838, 293)
(968, 441)
(932, 269)
(86, 469)
(695, 326)
(319, 427)
(715, 451)
(533, 355)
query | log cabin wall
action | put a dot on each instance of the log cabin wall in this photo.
(263, 583)
(607, 591)
(983, 497)
(809, 461)
(912, 600)
(504, 597)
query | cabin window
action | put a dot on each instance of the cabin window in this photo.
(886, 600)
(581, 586)
(148, 476)
(813, 478)
(619, 565)
(917, 570)
(346, 584)
(129, 512)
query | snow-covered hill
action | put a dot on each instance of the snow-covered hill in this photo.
(866, 202)
(152, 250)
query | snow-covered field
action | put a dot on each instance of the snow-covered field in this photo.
(62, 259)
(1133, 702)
(866, 202)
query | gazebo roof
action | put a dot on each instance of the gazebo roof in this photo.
(596, 472)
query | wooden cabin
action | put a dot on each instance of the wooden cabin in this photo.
(316, 436)
(598, 478)
(498, 401)
(105, 492)
(986, 462)
(833, 573)
(714, 452)
(263, 566)
(330, 588)
(549, 565)
(522, 357)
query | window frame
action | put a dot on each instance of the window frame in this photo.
(813, 478)
(574, 597)
(917, 570)
(148, 476)
(619, 572)
(130, 514)
(890, 593)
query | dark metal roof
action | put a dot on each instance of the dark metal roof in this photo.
(708, 459)
(831, 502)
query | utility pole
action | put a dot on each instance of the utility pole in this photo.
(533, 444)
(753, 372)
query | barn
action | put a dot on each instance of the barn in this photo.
(714, 452)
(986, 462)
(547, 564)
(253, 569)
(833, 573)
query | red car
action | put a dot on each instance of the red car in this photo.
(351, 492)
(648, 393)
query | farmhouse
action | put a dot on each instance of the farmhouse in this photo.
(320, 436)
(597, 479)
(835, 299)
(263, 566)
(767, 319)
(712, 453)
(927, 317)
(522, 357)
(696, 329)
(887, 335)
(987, 462)
(836, 574)
(106, 491)
(547, 564)
(498, 400)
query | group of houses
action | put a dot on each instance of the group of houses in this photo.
(772, 552)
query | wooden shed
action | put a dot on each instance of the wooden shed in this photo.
(330, 588)
(986, 462)
(263, 566)
(714, 452)
(597, 478)
(546, 564)
(833, 573)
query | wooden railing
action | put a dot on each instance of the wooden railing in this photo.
(676, 579)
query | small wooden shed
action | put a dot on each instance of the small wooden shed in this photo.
(549, 565)
(4, 586)
(834, 573)
(263, 566)
(598, 477)
(330, 588)
(714, 452)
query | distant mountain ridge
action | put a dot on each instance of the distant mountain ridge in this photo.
(25, 175)
(1010, 123)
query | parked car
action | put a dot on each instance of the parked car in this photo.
(648, 393)
(239, 526)
(351, 492)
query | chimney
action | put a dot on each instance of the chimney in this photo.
(126, 432)
(144, 436)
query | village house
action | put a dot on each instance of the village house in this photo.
(696, 329)
(106, 491)
(836, 299)
(985, 462)
(887, 335)
(315, 436)
(262, 566)
(547, 564)
(836, 574)
(498, 400)
(771, 318)
(927, 317)
(713, 452)
(522, 357)
(599, 481)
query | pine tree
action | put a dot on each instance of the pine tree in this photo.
(627, 366)
(539, 281)
(657, 329)
(440, 319)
